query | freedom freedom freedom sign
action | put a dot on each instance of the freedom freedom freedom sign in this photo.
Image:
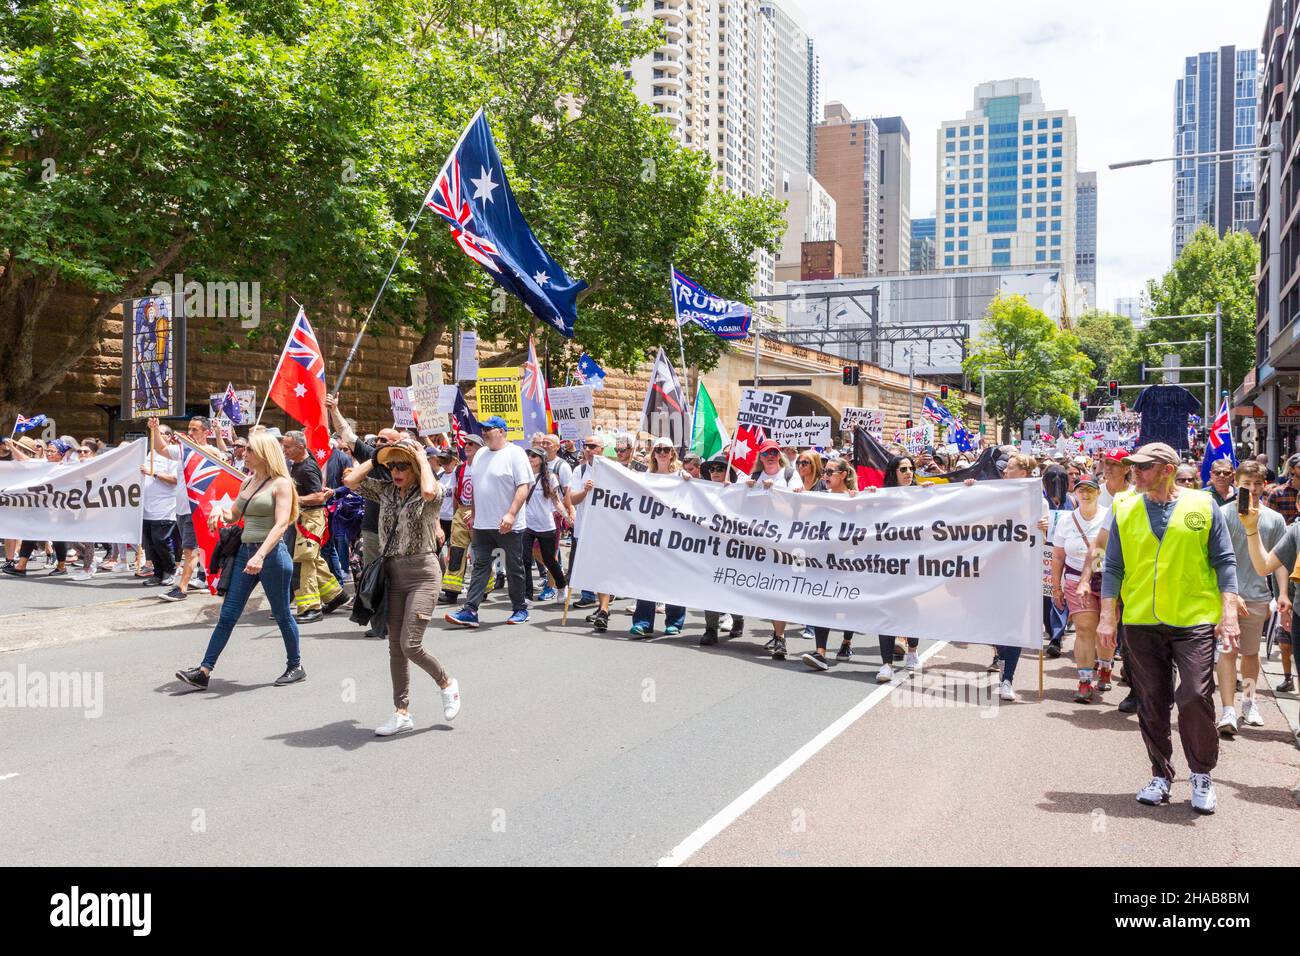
(95, 500)
(944, 561)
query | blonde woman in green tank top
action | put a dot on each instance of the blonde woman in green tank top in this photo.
(267, 504)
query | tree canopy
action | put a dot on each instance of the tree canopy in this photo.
(1110, 341)
(1045, 368)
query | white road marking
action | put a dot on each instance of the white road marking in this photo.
(732, 811)
(7, 776)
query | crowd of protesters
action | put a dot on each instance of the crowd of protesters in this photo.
(450, 520)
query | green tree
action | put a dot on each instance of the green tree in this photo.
(1109, 340)
(1209, 270)
(1047, 367)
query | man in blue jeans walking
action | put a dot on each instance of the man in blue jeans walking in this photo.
(502, 480)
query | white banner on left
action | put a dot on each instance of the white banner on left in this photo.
(944, 561)
(97, 500)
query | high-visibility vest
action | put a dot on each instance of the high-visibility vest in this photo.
(1168, 580)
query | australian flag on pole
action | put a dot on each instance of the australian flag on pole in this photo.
(230, 405)
(940, 415)
(723, 317)
(1219, 444)
(591, 373)
(472, 194)
(27, 424)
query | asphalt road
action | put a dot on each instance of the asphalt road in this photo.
(571, 748)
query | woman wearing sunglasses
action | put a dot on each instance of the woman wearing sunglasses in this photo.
(409, 507)
(663, 461)
(840, 480)
(809, 468)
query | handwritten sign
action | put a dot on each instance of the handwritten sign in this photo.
(762, 409)
(803, 431)
(872, 418)
(573, 411)
(426, 385)
(401, 403)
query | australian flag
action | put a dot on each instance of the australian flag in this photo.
(463, 423)
(591, 373)
(27, 424)
(1219, 444)
(472, 194)
(940, 415)
(230, 406)
(723, 317)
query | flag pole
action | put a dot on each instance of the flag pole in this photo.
(681, 346)
(352, 353)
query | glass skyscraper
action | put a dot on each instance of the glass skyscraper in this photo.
(1214, 109)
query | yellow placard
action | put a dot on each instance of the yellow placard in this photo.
(498, 394)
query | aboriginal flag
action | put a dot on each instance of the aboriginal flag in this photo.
(870, 457)
(985, 468)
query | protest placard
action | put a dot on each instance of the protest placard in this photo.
(247, 398)
(426, 383)
(497, 393)
(467, 359)
(803, 431)
(572, 409)
(915, 439)
(761, 409)
(872, 418)
(401, 403)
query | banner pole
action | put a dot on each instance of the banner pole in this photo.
(352, 354)
(1040, 673)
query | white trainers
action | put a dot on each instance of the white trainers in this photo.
(885, 674)
(1203, 798)
(1228, 723)
(1005, 692)
(911, 661)
(1250, 713)
(82, 575)
(451, 700)
(395, 725)
(1155, 793)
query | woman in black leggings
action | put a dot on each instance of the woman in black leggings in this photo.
(539, 517)
(25, 555)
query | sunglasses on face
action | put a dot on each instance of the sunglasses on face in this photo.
(591, 447)
(804, 461)
(1220, 474)
(906, 468)
(1145, 467)
(663, 451)
(381, 441)
(1185, 481)
(400, 466)
(770, 454)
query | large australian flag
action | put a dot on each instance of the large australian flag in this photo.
(472, 194)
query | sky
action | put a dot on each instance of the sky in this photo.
(1111, 63)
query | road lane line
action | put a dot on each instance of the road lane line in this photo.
(732, 811)
(8, 776)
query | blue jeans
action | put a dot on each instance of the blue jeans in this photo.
(1054, 621)
(335, 552)
(644, 614)
(276, 571)
(1010, 658)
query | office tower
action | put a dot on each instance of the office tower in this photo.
(922, 252)
(894, 223)
(848, 157)
(1215, 106)
(1005, 186)
(677, 78)
(1085, 247)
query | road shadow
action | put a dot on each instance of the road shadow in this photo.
(347, 735)
(1092, 716)
(218, 688)
(1280, 797)
(1178, 812)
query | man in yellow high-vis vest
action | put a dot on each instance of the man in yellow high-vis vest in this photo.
(1169, 558)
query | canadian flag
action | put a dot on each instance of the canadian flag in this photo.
(298, 386)
(744, 448)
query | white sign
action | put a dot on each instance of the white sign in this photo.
(872, 418)
(928, 562)
(915, 439)
(760, 408)
(94, 500)
(572, 408)
(426, 383)
(401, 402)
(1053, 519)
(803, 431)
(247, 407)
(467, 359)
(1069, 447)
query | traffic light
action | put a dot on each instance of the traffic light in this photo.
(1113, 386)
(851, 375)
(943, 393)
(1083, 407)
(1038, 428)
(909, 423)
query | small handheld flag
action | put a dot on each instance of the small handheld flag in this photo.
(230, 406)
(1219, 444)
(27, 424)
(591, 373)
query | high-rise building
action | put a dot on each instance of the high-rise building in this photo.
(1005, 187)
(1215, 105)
(677, 78)
(809, 217)
(922, 253)
(848, 157)
(1085, 246)
(894, 225)
(789, 90)
(814, 102)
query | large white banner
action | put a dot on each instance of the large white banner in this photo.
(943, 561)
(95, 500)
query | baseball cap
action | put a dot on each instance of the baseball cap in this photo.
(768, 445)
(496, 421)
(443, 452)
(663, 442)
(1117, 454)
(1087, 482)
(1156, 451)
(472, 439)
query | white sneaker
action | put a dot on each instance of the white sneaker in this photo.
(1155, 793)
(451, 700)
(395, 725)
(1250, 713)
(171, 579)
(911, 661)
(81, 575)
(724, 622)
(1005, 692)
(885, 674)
(808, 634)
(1228, 723)
(1203, 798)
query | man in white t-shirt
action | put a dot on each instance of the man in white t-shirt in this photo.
(502, 479)
(159, 501)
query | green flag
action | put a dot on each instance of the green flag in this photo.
(708, 434)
